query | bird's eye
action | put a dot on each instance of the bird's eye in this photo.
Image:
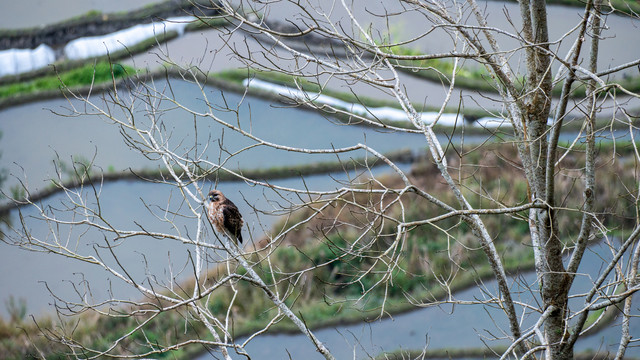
(211, 198)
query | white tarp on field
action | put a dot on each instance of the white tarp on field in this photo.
(16, 61)
(494, 122)
(491, 122)
(93, 46)
(382, 113)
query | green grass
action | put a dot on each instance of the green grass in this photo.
(439, 70)
(207, 23)
(86, 75)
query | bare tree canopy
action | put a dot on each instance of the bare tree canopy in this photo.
(528, 161)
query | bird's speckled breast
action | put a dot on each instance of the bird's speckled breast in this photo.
(217, 217)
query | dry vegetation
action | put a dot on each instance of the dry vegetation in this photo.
(331, 276)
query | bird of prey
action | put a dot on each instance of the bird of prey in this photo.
(224, 215)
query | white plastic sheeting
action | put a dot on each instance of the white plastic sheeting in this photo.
(491, 122)
(88, 47)
(494, 122)
(383, 113)
(16, 61)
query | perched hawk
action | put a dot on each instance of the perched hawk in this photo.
(224, 215)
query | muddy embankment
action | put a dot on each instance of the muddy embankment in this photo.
(94, 24)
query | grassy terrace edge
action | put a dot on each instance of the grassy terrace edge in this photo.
(280, 172)
(231, 80)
